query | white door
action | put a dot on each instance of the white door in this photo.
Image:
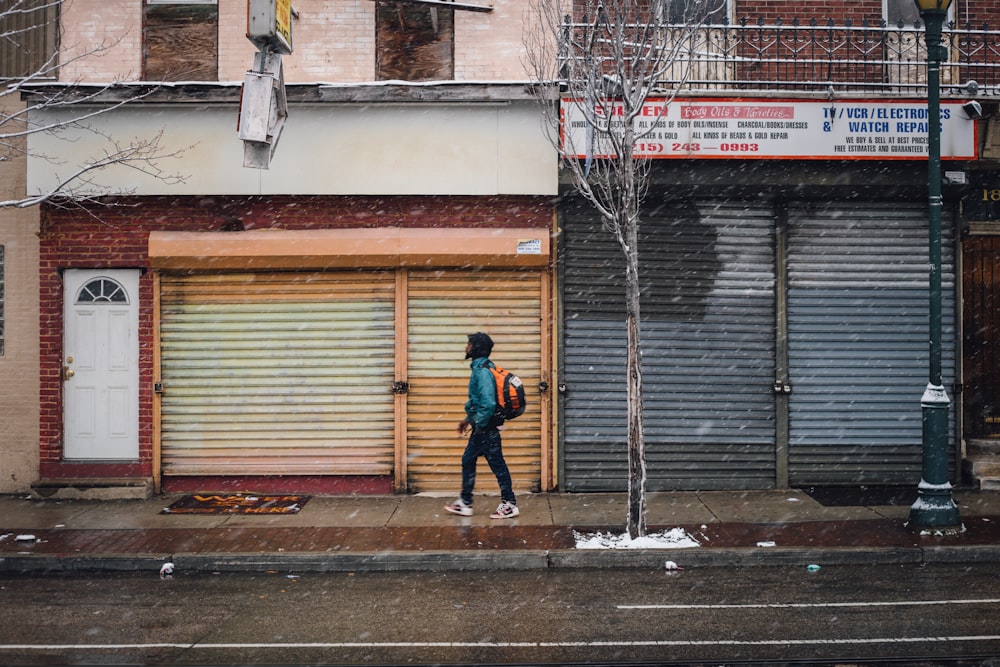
(101, 364)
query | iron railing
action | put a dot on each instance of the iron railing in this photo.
(826, 58)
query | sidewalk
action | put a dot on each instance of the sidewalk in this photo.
(413, 532)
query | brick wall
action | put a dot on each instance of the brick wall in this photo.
(787, 10)
(116, 237)
(490, 46)
(334, 40)
(974, 11)
(112, 26)
(977, 12)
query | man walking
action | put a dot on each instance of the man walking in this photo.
(484, 440)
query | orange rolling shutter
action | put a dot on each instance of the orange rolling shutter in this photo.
(442, 308)
(286, 373)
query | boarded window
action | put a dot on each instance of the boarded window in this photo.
(29, 31)
(414, 42)
(181, 41)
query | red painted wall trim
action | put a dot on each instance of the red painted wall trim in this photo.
(315, 485)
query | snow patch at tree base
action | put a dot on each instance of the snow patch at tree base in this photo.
(675, 538)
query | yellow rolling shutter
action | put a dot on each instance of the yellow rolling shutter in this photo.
(277, 373)
(442, 308)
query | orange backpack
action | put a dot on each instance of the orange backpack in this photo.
(510, 393)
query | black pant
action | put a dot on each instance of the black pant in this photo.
(485, 442)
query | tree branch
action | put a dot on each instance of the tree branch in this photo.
(18, 122)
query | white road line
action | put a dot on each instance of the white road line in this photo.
(810, 605)
(540, 644)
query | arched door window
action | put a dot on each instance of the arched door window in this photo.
(102, 290)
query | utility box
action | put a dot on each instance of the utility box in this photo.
(269, 25)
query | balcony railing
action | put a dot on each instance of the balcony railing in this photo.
(827, 58)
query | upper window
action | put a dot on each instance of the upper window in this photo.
(29, 31)
(102, 290)
(904, 11)
(414, 41)
(694, 11)
(901, 10)
(181, 40)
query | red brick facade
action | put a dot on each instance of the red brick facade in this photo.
(771, 11)
(116, 237)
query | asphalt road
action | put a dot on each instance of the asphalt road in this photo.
(512, 617)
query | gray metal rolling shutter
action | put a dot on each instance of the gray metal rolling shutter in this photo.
(708, 346)
(858, 350)
(277, 374)
(443, 307)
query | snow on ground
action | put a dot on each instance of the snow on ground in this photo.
(675, 538)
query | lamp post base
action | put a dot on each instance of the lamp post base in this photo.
(934, 508)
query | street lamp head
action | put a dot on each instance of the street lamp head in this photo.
(973, 109)
(934, 13)
(932, 5)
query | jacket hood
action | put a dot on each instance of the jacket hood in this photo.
(481, 345)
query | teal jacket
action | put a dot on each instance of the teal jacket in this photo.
(482, 403)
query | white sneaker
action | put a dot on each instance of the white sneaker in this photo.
(506, 510)
(459, 507)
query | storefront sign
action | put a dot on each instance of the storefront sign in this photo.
(779, 129)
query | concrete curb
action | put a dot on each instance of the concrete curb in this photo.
(382, 561)
(975, 553)
(732, 557)
(439, 561)
(385, 561)
(52, 564)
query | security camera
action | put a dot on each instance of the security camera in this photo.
(973, 109)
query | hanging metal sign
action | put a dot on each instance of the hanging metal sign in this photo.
(269, 25)
(263, 109)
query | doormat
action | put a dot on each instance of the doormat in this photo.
(845, 496)
(236, 503)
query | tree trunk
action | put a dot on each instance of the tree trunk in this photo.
(636, 441)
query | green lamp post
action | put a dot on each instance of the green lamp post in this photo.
(934, 508)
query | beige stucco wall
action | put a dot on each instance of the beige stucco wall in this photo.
(377, 149)
(19, 362)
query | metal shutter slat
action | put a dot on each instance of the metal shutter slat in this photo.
(277, 374)
(442, 308)
(858, 353)
(708, 349)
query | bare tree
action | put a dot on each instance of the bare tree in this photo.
(29, 63)
(609, 60)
